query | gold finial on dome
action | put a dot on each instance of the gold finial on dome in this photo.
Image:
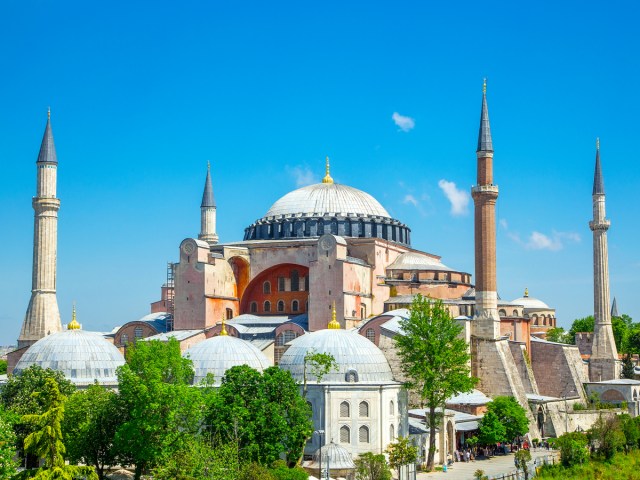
(327, 178)
(484, 85)
(333, 324)
(73, 324)
(223, 331)
(526, 292)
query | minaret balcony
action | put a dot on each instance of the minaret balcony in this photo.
(484, 190)
(600, 225)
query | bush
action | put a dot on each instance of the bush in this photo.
(573, 449)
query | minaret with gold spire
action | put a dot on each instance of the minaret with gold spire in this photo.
(208, 212)
(603, 364)
(43, 315)
(486, 323)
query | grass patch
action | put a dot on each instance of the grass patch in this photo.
(620, 467)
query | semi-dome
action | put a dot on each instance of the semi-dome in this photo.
(218, 354)
(327, 198)
(82, 357)
(358, 359)
(417, 261)
(531, 302)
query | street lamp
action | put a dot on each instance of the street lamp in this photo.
(320, 434)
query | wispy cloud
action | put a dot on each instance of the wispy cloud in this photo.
(540, 241)
(504, 224)
(410, 199)
(459, 198)
(403, 122)
(302, 175)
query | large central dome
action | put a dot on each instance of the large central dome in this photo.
(328, 207)
(327, 198)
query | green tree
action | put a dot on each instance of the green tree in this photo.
(491, 430)
(195, 458)
(317, 365)
(573, 448)
(631, 431)
(622, 327)
(263, 413)
(434, 358)
(628, 367)
(3, 367)
(522, 459)
(371, 466)
(161, 407)
(511, 415)
(401, 453)
(558, 335)
(607, 436)
(281, 471)
(17, 397)
(91, 419)
(7, 445)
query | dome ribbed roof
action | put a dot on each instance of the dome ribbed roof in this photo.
(218, 354)
(416, 261)
(531, 302)
(81, 356)
(336, 456)
(351, 351)
(323, 198)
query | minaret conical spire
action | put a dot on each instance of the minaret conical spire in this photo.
(484, 134)
(598, 180)
(47, 147)
(614, 308)
(207, 196)
(208, 212)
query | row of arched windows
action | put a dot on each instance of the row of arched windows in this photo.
(363, 434)
(266, 306)
(282, 285)
(363, 409)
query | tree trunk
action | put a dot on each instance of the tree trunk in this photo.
(432, 438)
(138, 471)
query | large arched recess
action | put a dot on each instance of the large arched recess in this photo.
(240, 267)
(276, 276)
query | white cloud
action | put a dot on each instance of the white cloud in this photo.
(459, 198)
(302, 175)
(504, 224)
(410, 199)
(404, 123)
(540, 241)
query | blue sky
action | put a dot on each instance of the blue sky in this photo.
(144, 94)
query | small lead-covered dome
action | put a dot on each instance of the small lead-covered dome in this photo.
(358, 359)
(417, 261)
(531, 303)
(335, 456)
(82, 357)
(218, 354)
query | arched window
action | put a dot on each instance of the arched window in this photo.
(266, 287)
(295, 281)
(392, 433)
(138, 332)
(253, 307)
(345, 434)
(289, 335)
(515, 313)
(267, 306)
(345, 410)
(281, 305)
(502, 312)
(281, 284)
(229, 313)
(363, 409)
(295, 306)
(371, 335)
(351, 376)
(279, 340)
(124, 339)
(363, 312)
(392, 408)
(363, 434)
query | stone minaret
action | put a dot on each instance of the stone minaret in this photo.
(43, 315)
(486, 323)
(208, 212)
(603, 364)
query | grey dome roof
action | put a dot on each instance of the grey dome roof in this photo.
(352, 353)
(417, 261)
(218, 354)
(531, 303)
(336, 456)
(324, 198)
(83, 357)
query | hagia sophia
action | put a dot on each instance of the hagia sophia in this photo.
(328, 269)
